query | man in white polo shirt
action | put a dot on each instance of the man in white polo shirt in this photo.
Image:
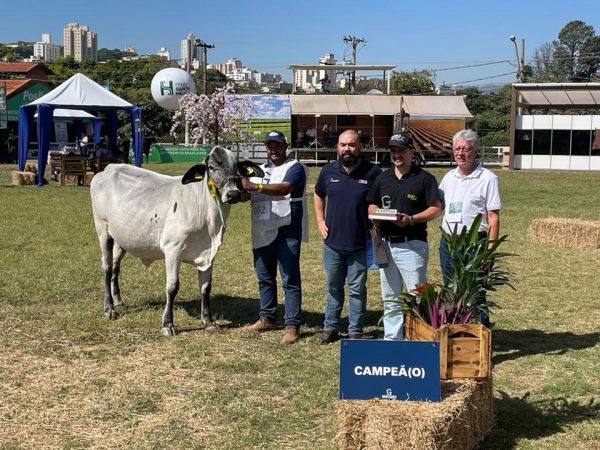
(468, 190)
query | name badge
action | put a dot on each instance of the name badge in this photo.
(454, 212)
(261, 210)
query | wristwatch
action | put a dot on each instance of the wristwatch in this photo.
(411, 220)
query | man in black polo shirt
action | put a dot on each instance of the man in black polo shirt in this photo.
(415, 196)
(342, 188)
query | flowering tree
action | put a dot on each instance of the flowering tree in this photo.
(221, 117)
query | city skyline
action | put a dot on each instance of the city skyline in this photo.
(467, 43)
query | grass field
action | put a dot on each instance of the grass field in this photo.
(70, 379)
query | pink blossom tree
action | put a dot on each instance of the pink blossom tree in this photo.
(220, 118)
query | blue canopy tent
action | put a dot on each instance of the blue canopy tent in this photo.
(78, 92)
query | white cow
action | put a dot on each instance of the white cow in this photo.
(178, 219)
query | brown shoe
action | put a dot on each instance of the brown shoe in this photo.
(355, 336)
(291, 335)
(262, 324)
(327, 337)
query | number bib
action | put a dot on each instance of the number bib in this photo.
(261, 210)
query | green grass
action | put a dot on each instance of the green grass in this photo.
(71, 379)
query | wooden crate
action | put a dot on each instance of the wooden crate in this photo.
(465, 350)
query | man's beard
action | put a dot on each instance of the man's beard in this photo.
(350, 160)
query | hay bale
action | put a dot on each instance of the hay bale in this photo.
(31, 168)
(17, 178)
(459, 421)
(570, 233)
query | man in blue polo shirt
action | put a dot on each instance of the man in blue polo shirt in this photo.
(415, 196)
(341, 189)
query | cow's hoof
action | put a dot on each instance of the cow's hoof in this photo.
(110, 315)
(118, 302)
(212, 328)
(168, 331)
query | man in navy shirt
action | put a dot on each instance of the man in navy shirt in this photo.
(341, 189)
(277, 225)
(414, 195)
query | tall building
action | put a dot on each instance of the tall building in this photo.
(80, 42)
(310, 80)
(45, 50)
(164, 53)
(191, 56)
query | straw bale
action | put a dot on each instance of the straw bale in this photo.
(570, 233)
(459, 421)
(23, 178)
(32, 168)
(17, 178)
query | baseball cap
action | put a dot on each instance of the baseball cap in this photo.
(275, 136)
(401, 140)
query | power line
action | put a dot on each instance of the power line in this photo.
(485, 78)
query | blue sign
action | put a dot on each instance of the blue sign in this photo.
(390, 370)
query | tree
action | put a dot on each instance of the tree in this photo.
(574, 56)
(491, 114)
(6, 53)
(415, 82)
(221, 117)
(104, 54)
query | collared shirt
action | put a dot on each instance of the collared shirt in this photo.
(478, 192)
(346, 207)
(411, 194)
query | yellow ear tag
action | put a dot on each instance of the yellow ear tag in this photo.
(198, 177)
(212, 188)
(250, 170)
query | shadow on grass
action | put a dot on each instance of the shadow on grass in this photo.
(242, 311)
(524, 418)
(513, 344)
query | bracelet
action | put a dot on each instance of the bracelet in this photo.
(260, 187)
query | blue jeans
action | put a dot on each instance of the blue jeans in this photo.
(285, 252)
(448, 271)
(407, 268)
(339, 265)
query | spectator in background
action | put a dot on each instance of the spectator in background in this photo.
(123, 143)
(148, 141)
(300, 138)
(11, 147)
(311, 135)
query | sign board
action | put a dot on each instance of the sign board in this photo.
(389, 370)
(177, 153)
(30, 94)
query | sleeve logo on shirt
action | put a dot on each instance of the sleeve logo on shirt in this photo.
(412, 197)
(363, 182)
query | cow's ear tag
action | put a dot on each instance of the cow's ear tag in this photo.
(194, 174)
(248, 168)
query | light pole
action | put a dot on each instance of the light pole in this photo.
(520, 59)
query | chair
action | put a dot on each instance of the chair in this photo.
(72, 166)
(103, 161)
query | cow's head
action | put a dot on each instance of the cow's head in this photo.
(224, 173)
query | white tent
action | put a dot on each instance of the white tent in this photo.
(77, 93)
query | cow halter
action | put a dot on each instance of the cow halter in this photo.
(214, 192)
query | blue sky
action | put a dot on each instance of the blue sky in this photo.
(270, 35)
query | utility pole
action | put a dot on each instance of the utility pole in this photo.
(205, 46)
(354, 41)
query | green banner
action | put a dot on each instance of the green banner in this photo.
(30, 94)
(177, 153)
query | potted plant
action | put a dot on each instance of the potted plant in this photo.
(478, 266)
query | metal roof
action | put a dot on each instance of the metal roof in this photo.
(380, 105)
(551, 95)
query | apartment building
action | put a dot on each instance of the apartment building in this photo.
(80, 42)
